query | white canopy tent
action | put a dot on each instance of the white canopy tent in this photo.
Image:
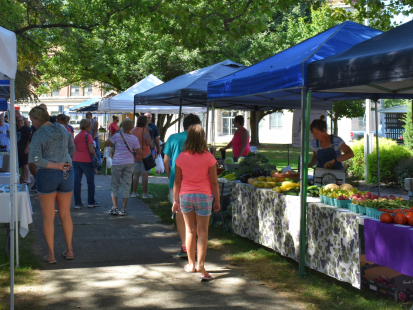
(123, 102)
(8, 68)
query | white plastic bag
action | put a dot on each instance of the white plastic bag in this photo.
(108, 162)
(159, 165)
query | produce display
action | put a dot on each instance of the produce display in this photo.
(254, 165)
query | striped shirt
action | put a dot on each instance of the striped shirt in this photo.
(122, 154)
(336, 142)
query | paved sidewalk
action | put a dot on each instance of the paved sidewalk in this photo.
(128, 262)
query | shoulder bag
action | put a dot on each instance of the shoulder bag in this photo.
(148, 161)
(96, 162)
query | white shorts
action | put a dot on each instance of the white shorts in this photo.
(140, 167)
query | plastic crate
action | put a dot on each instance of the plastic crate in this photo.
(370, 212)
(342, 203)
(362, 210)
(353, 208)
(377, 213)
(323, 198)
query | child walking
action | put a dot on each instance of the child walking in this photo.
(195, 182)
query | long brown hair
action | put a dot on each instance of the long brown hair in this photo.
(195, 142)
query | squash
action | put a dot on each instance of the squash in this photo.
(332, 186)
(346, 187)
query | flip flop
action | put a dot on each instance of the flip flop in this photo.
(65, 255)
(49, 261)
(206, 277)
(186, 267)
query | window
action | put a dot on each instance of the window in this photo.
(88, 90)
(228, 127)
(56, 93)
(276, 121)
(362, 122)
(74, 90)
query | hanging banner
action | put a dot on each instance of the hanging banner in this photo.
(314, 114)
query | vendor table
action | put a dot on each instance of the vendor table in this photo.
(273, 220)
(5, 177)
(225, 189)
(24, 207)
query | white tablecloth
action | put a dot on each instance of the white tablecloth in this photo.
(24, 209)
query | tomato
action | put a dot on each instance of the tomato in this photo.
(409, 214)
(400, 218)
(386, 218)
(382, 210)
(399, 210)
(410, 221)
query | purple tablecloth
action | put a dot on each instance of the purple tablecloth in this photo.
(389, 245)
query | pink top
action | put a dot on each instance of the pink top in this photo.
(82, 153)
(122, 154)
(236, 144)
(113, 128)
(195, 172)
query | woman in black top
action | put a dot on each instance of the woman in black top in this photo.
(23, 137)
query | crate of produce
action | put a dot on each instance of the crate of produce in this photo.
(353, 208)
(342, 203)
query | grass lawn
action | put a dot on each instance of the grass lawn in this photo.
(28, 290)
(315, 291)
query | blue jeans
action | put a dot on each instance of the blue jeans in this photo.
(51, 180)
(88, 170)
(97, 151)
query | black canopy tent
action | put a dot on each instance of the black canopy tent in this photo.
(381, 67)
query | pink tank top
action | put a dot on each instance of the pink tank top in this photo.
(236, 144)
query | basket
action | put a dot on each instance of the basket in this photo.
(353, 208)
(377, 213)
(370, 211)
(323, 198)
(330, 201)
(342, 203)
(362, 210)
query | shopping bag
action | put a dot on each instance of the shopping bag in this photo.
(159, 165)
(109, 162)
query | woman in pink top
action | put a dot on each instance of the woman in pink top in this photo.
(82, 163)
(241, 141)
(195, 181)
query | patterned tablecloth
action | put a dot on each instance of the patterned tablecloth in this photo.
(273, 220)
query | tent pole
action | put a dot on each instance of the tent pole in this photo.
(377, 147)
(305, 123)
(13, 187)
(179, 115)
(331, 121)
(134, 113)
(256, 127)
(207, 120)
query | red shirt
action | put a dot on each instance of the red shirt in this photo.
(195, 172)
(82, 152)
(113, 128)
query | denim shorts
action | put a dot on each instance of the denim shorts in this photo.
(49, 181)
(201, 203)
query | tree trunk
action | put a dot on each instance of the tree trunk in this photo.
(253, 133)
(335, 125)
(164, 121)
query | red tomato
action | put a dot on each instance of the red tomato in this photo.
(400, 218)
(386, 218)
(411, 221)
(409, 214)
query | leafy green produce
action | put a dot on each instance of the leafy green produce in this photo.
(251, 162)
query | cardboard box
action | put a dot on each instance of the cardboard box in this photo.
(328, 176)
(385, 281)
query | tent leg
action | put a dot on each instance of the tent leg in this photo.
(179, 116)
(377, 147)
(305, 123)
(256, 127)
(13, 188)
(134, 113)
(207, 120)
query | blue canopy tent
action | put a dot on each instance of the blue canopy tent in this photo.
(187, 90)
(3, 105)
(281, 81)
(381, 67)
(4, 88)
